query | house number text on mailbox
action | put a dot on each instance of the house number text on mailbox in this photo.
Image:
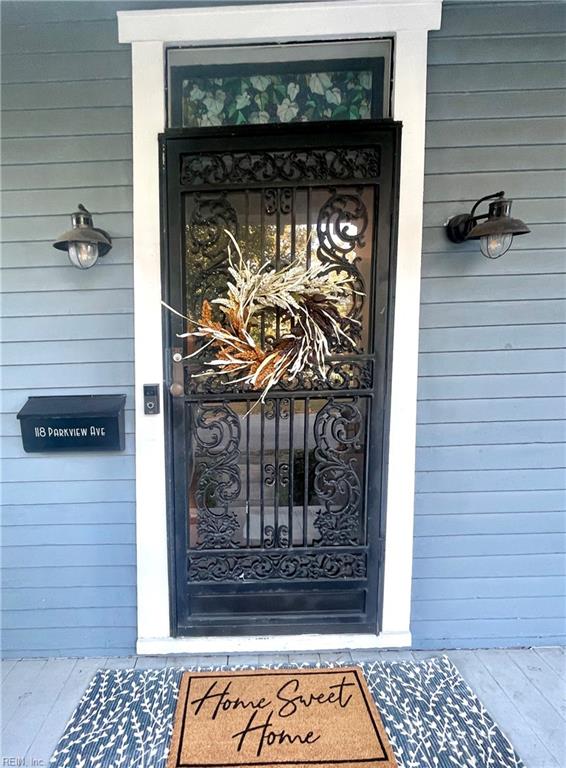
(73, 423)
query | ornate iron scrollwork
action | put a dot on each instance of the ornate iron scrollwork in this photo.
(278, 200)
(350, 374)
(314, 566)
(273, 474)
(342, 374)
(261, 167)
(206, 228)
(211, 217)
(338, 431)
(216, 435)
(276, 538)
(276, 408)
(342, 223)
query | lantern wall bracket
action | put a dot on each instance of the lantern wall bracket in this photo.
(459, 227)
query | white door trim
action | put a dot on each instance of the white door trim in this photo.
(408, 21)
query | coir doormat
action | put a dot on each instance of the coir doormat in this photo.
(322, 718)
(433, 720)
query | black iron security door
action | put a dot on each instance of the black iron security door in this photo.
(276, 516)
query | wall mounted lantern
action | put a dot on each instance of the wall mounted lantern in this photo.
(84, 243)
(495, 233)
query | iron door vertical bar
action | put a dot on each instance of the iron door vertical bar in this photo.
(293, 224)
(177, 459)
(309, 227)
(386, 255)
(248, 486)
(278, 195)
(261, 475)
(291, 474)
(262, 260)
(167, 410)
(306, 464)
(247, 402)
(247, 222)
(291, 481)
(367, 504)
(277, 483)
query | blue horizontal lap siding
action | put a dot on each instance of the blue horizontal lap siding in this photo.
(22, 599)
(448, 566)
(481, 502)
(68, 492)
(78, 533)
(67, 303)
(490, 563)
(489, 529)
(97, 577)
(68, 522)
(66, 149)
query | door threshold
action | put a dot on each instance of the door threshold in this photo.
(169, 646)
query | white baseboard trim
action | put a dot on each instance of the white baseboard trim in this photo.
(158, 646)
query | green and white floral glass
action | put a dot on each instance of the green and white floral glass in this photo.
(296, 94)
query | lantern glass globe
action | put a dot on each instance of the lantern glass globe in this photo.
(494, 246)
(83, 255)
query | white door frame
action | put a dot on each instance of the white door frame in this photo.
(150, 32)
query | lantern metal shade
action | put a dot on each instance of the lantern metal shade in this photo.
(468, 226)
(83, 232)
(498, 222)
(84, 235)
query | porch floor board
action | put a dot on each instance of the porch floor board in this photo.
(524, 689)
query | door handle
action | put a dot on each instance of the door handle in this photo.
(177, 388)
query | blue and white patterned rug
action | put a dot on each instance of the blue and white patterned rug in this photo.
(433, 719)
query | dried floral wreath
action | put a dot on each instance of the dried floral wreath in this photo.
(309, 298)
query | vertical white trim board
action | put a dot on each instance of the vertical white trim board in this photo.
(149, 33)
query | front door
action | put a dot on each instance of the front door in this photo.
(277, 521)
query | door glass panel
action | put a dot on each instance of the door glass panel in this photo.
(330, 225)
(290, 473)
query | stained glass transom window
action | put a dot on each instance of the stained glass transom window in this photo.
(205, 95)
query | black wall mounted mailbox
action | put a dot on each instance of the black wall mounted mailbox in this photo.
(73, 423)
